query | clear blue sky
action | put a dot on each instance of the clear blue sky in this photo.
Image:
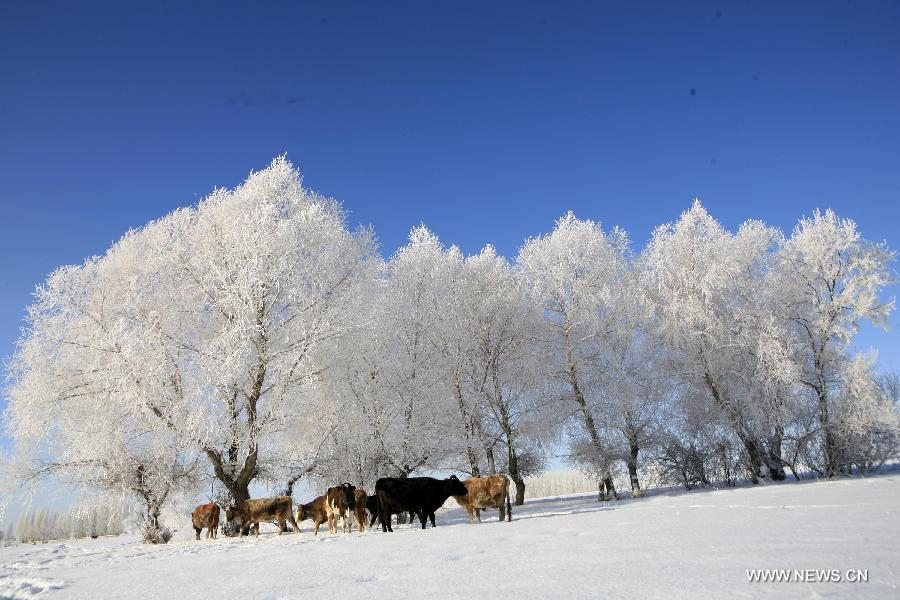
(485, 122)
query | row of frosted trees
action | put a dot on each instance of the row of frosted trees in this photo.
(42, 524)
(255, 341)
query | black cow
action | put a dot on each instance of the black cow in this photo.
(420, 495)
(372, 507)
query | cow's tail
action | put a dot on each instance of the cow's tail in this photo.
(379, 499)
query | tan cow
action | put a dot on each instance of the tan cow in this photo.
(206, 515)
(486, 492)
(315, 510)
(251, 513)
(359, 509)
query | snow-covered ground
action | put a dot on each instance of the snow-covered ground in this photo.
(697, 544)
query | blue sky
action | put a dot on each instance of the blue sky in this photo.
(486, 121)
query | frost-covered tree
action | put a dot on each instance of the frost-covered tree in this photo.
(76, 413)
(864, 418)
(498, 325)
(457, 340)
(572, 275)
(213, 331)
(704, 285)
(829, 281)
(635, 386)
(396, 375)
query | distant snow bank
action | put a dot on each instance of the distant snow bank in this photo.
(672, 544)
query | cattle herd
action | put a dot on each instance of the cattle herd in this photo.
(345, 503)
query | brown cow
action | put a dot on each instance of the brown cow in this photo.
(206, 515)
(359, 509)
(250, 513)
(340, 501)
(315, 510)
(486, 492)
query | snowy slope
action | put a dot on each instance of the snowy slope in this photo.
(696, 544)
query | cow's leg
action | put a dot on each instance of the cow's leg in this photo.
(431, 516)
(478, 514)
(316, 530)
(293, 522)
(384, 513)
(281, 526)
(423, 518)
(198, 530)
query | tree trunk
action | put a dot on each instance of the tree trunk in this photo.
(633, 450)
(520, 491)
(473, 463)
(829, 446)
(289, 488)
(152, 516)
(636, 491)
(153, 534)
(468, 425)
(492, 465)
(685, 480)
(607, 488)
(756, 458)
(516, 476)
(776, 462)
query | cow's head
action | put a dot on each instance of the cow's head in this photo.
(233, 520)
(456, 486)
(347, 490)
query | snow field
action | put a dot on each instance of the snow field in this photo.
(677, 545)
